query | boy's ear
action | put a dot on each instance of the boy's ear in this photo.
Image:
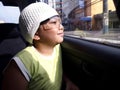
(36, 37)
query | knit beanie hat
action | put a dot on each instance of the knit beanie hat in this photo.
(31, 17)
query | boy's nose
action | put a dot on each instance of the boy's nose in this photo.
(61, 27)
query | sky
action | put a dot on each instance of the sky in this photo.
(9, 14)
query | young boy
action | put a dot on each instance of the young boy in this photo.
(39, 65)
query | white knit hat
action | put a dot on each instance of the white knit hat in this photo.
(31, 17)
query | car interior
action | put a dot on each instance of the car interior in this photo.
(89, 64)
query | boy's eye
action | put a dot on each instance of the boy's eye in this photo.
(53, 22)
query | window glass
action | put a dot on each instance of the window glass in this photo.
(9, 14)
(94, 20)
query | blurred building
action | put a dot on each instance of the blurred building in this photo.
(68, 6)
(97, 14)
(88, 14)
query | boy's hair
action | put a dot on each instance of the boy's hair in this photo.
(32, 16)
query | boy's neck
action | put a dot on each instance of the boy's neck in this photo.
(45, 49)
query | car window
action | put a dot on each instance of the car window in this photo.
(94, 20)
(9, 14)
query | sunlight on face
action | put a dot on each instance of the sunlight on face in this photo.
(51, 31)
(51, 23)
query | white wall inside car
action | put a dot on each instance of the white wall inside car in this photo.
(9, 14)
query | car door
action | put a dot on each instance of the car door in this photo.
(91, 65)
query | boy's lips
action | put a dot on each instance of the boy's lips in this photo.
(61, 34)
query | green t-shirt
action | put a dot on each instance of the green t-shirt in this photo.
(42, 73)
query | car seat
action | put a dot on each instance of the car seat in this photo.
(11, 42)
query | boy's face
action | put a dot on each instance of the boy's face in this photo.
(51, 32)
